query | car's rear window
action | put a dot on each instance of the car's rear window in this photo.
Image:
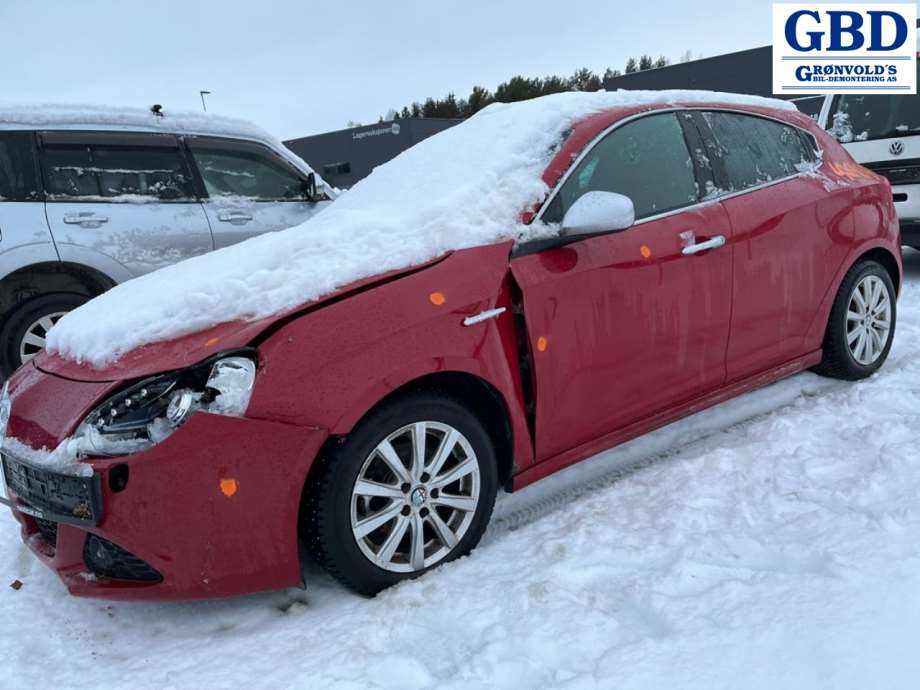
(115, 173)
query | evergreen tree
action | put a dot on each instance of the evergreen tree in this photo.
(429, 108)
(585, 80)
(662, 62)
(405, 114)
(645, 62)
(416, 110)
(631, 66)
(479, 99)
(611, 73)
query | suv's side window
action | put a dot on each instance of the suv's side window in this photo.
(107, 172)
(18, 179)
(646, 160)
(247, 170)
(751, 151)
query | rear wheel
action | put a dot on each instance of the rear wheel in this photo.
(412, 487)
(862, 323)
(24, 333)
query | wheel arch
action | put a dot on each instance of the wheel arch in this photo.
(479, 396)
(50, 277)
(888, 262)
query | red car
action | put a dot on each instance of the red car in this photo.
(701, 250)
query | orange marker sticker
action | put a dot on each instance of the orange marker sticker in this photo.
(645, 251)
(437, 298)
(228, 487)
(211, 341)
(542, 342)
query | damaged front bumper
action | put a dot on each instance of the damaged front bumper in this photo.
(211, 511)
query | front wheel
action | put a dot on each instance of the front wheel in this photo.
(412, 487)
(24, 333)
(862, 322)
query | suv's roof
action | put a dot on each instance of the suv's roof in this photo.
(82, 117)
(59, 117)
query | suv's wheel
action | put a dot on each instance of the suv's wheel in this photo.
(23, 334)
(412, 487)
(862, 322)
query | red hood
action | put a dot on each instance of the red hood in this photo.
(186, 350)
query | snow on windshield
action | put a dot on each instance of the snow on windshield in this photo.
(461, 188)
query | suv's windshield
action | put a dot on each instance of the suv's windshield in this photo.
(863, 118)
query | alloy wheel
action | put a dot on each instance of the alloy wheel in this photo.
(415, 497)
(868, 320)
(33, 341)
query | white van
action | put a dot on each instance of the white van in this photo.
(883, 134)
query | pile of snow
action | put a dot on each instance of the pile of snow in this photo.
(76, 117)
(62, 459)
(461, 188)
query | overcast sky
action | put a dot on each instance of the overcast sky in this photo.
(301, 68)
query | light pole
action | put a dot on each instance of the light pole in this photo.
(203, 94)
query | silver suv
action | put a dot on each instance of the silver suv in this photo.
(90, 200)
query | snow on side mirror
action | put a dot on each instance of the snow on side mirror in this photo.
(598, 212)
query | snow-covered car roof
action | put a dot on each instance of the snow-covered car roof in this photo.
(463, 187)
(56, 116)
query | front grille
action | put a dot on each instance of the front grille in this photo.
(48, 530)
(106, 559)
(906, 171)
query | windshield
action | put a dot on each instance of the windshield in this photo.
(863, 118)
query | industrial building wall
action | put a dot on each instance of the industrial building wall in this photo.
(349, 155)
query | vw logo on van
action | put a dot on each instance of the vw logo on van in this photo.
(896, 148)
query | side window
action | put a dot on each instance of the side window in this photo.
(246, 170)
(115, 173)
(142, 172)
(752, 151)
(18, 179)
(646, 160)
(69, 172)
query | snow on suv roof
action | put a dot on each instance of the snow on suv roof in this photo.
(461, 188)
(61, 116)
(56, 116)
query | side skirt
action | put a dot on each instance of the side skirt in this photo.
(547, 467)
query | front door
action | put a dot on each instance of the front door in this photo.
(627, 324)
(123, 199)
(250, 189)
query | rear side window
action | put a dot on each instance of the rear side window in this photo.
(231, 169)
(18, 179)
(115, 173)
(751, 151)
(646, 160)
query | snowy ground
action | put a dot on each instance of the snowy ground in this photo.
(772, 542)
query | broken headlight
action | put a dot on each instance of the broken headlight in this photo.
(147, 412)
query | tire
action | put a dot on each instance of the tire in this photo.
(843, 356)
(338, 516)
(27, 318)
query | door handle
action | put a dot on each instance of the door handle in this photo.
(87, 220)
(234, 217)
(714, 243)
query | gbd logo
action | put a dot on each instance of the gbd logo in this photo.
(846, 30)
(835, 47)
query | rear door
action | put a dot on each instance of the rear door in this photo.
(121, 198)
(627, 324)
(792, 233)
(250, 189)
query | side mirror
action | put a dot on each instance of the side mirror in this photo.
(310, 188)
(598, 212)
